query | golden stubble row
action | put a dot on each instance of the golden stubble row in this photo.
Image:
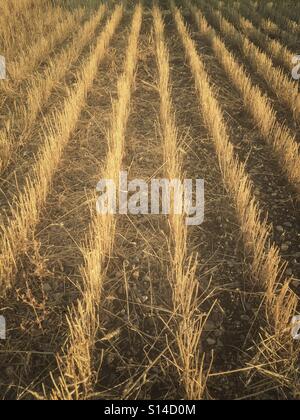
(267, 265)
(38, 89)
(285, 89)
(277, 135)
(23, 21)
(77, 364)
(29, 58)
(183, 265)
(274, 47)
(57, 130)
(276, 24)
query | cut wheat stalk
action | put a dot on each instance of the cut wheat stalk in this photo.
(12, 17)
(267, 25)
(12, 12)
(277, 135)
(292, 25)
(274, 47)
(285, 24)
(37, 91)
(58, 128)
(185, 287)
(76, 361)
(284, 17)
(20, 69)
(278, 82)
(275, 25)
(285, 13)
(267, 266)
(10, 8)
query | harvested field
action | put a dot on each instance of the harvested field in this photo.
(109, 290)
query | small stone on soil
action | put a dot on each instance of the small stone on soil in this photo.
(285, 247)
(136, 274)
(279, 229)
(211, 341)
